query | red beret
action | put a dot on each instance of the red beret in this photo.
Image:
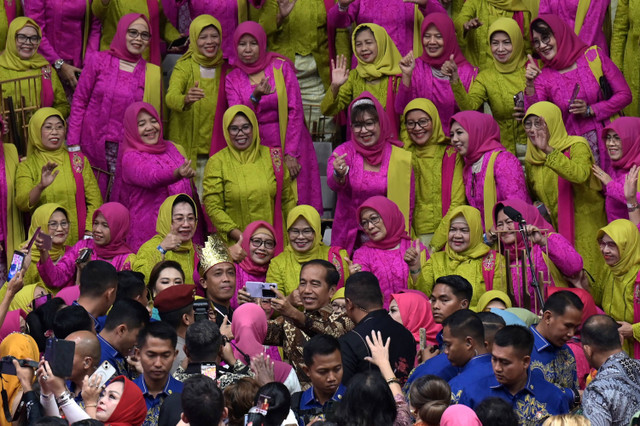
(175, 297)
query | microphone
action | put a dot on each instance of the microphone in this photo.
(513, 214)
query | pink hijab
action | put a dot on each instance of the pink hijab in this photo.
(529, 213)
(392, 218)
(247, 264)
(117, 217)
(249, 327)
(11, 323)
(569, 46)
(256, 31)
(484, 134)
(373, 154)
(444, 24)
(415, 310)
(459, 415)
(118, 46)
(627, 130)
(132, 139)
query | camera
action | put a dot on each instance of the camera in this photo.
(201, 310)
(7, 367)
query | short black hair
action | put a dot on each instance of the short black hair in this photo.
(97, 277)
(70, 319)
(128, 312)
(202, 401)
(601, 332)
(363, 289)
(174, 318)
(203, 340)
(160, 330)
(130, 285)
(460, 287)
(320, 344)
(559, 301)
(158, 268)
(517, 336)
(51, 421)
(496, 411)
(332, 277)
(463, 323)
(491, 322)
(279, 404)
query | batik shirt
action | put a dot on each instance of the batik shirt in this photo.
(154, 402)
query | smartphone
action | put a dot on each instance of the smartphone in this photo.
(16, 264)
(179, 42)
(59, 353)
(518, 100)
(201, 310)
(208, 370)
(33, 239)
(105, 372)
(261, 290)
(574, 96)
(46, 241)
(423, 338)
(85, 255)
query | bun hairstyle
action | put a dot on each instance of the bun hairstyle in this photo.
(430, 396)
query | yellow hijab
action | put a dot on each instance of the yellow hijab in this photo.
(9, 58)
(388, 59)
(21, 346)
(36, 148)
(477, 247)
(490, 295)
(626, 236)
(250, 154)
(518, 57)
(311, 215)
(40, 219)
(196, 27)
(437, 136)
(165, 218)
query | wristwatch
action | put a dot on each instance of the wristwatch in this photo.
(58, 64)
(632, 207)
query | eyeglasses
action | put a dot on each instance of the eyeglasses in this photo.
(544, 40)
(423, 123)
(306, 232)
(257, 243)
(368, 125)
(373, 220)
(613, 138)
(528, 124)
(24, 38)
(607, 244)
(234, 130)
(181, 219)
(54, 225)
(144, 35)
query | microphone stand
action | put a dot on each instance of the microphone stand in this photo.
(522, 227)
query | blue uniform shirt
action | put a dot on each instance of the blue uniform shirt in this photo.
(439, 366)
(97, 323)
(154, 403)
(115, 358)
(309, 403)
(478, 368)
(539, 399)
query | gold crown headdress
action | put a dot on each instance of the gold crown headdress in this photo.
(214, 251)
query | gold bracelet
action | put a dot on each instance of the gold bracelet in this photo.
(393, 380)
(90, 405)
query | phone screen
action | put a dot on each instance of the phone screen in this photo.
(16, 264)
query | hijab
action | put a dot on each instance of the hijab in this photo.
(415, 311)
(459, 415)
(11, 323)
(247, 264)
(484, 134)
(437, 136)
(529, 213)
(490, 295)
(21, 346)
(117, 217)
(36, 148)
(118, 46)
(627, 130)
(197, 26)
(249, 328)
(518, 58)
(388, 59)
(568, 46)
(477, 248)
(626, 236)
(558, 137)
(132, 139)
(40, 219)
(392, 218)
(444, 24)
(265, 57)
(131, 409)
(250, 154)
(311, 215)
(165, 218)
(374, 154)
(10, 59)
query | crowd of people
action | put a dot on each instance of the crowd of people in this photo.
(467, 254)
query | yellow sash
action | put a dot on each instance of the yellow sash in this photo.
(153, 89)
(399, 182)
(243, 13)
(490, 193)
(581, 13)
(418, 17)
(85, 35)
(283, 113)
(596, 69)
